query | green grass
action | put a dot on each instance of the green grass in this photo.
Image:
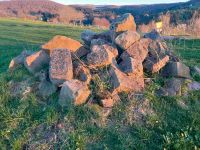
(188, 50)
(172, 122)
(17, 35)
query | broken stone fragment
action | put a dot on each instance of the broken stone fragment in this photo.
(106, 45)
(107, 103)
(126, 39)
(107, 36)
(62, 42)
(46, 88)
(124, 23)
(177, 87)
(81, 52)
(154, 35)
(37, 61)
(41, 75)
(61, 68)
(173, 86)
(176, 69)
(73, 92)
(154, 65)
(81, 73)
(131, 66)
(194, 86)
(123, 83)
(110, 100)
(99, 56)
(97, 42)
(87, 36)
(138, 50)
(157, 48)
(19, 60)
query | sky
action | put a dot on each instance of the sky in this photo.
(117, 2)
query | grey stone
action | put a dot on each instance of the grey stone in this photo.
(81, 72)
(176, 69)
(138, 50)
(19, 60)
(73, 92)
(106, 45)
(37, 61)
(126, 39)
(87, 36)
(194, 86)
(131, 66)
(173, 86)
(46, 88)
(61, 68)
(153, 65)
(124, 23)
(154, 35)
(123, 83)
(100, 56)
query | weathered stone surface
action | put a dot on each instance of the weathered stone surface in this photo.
(157, 49)
(81, 73)
(106, 45)
(154, 65)
(124, 23)
(107, 103)
(173, 86)
(73, 92)
(100, 56)
(62, 42)
(37, 61)
(116, 98)
(97, 42)
(194, 86)
(157, 57)
(107, 36)
(121, 82)
(81, 52)
(176, 69)
(138, 50)
(42, 75)
(131, 66)
(110, 99)
(61, 68)
(46, 88)
(126, 39)
(176, 87)
(19, 60)
(154, 35)
(87, 36)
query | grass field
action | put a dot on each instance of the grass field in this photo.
(30, 122)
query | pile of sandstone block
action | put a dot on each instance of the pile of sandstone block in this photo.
(126, 55)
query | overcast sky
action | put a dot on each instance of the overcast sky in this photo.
(117, 2)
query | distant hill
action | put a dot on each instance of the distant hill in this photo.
(143, 13)
(39, 10)
(46, 10)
